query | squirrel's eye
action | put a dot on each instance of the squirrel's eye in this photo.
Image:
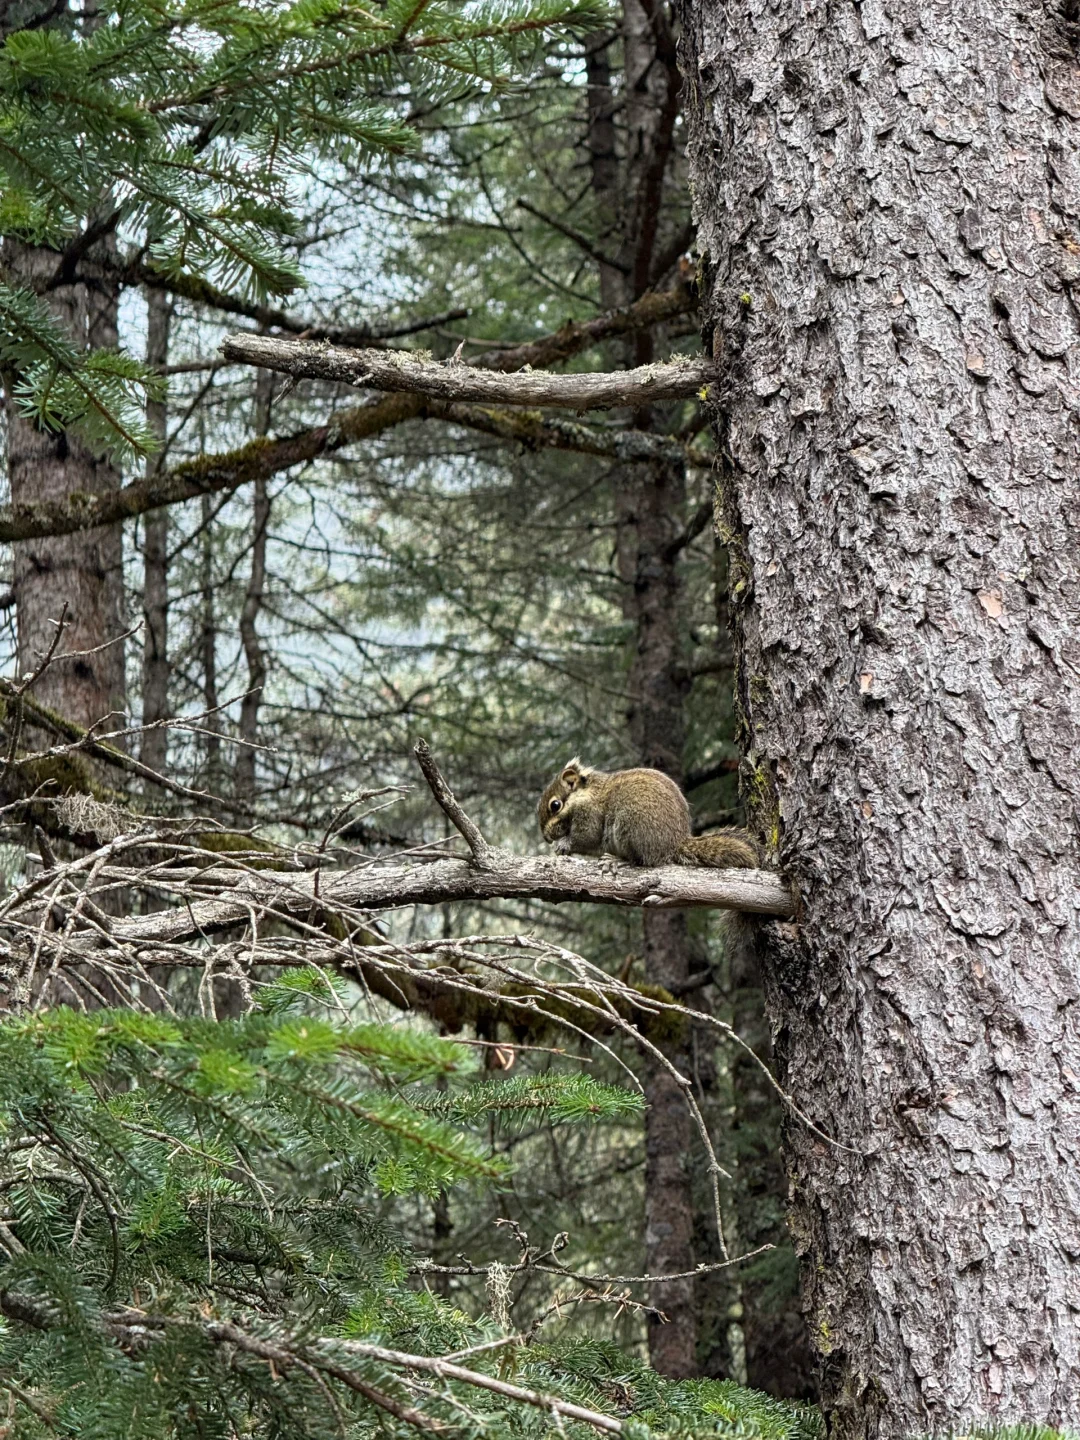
(555, 806)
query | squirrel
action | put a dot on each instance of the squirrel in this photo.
(638, 815)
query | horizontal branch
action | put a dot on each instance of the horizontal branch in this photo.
(695, 779)
(221, 897)
(534, 431)
(653, 308)
(205, 475)
(447, 1370)
(400, 371)
(262, 458)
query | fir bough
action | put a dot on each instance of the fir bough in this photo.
(193, 123)
(195, 1237)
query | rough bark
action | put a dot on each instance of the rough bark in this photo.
(155, 665)
(81, 571)
(888, 197)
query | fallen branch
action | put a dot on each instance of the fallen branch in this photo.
(406, 372)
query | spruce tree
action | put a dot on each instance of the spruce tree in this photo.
(197, 1239)
(184, 131)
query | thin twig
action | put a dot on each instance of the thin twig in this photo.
(485, 855)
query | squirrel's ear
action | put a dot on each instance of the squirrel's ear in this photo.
(572, 772)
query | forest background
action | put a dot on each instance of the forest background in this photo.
(513, 587)
(317, 1116)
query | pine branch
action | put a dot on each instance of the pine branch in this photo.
(133, 1329)
(446, 1370)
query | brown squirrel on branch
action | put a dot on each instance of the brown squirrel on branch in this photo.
(638, 815)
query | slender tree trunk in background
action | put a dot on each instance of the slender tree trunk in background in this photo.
(778, 1356)
(719, 1296)
(208, 645)
(627, 191)
(156, 667)
(253, 600)
(751, 1311)
(888, 197)
(604, 166)
(83, 571)
(651, 513)
(228, 995)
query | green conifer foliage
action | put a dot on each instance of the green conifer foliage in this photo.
(194, 123)
(199, 1241)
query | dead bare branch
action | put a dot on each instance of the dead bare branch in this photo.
(220, 896)
(406, 372)
(485, 855)
(261, 458)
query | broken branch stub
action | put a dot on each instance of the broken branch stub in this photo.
(484, 855)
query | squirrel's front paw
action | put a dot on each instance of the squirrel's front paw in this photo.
(562, 845)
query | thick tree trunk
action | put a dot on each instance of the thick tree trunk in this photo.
(888, 199)
(82, 571)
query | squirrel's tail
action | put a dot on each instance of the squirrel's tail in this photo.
(722, 849)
